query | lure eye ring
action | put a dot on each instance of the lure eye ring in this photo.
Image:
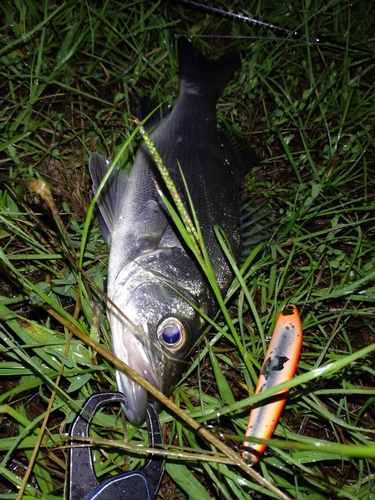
(172, 334)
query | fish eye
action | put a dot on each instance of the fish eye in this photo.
(172, 333)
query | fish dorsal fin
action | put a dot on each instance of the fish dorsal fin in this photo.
(148, 106)
(110, 199)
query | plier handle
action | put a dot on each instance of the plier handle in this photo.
(82, 483)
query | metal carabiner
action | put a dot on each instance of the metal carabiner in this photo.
(82, 483)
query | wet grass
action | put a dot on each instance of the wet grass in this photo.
(71, 75)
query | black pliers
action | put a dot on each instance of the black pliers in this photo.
(82, 483)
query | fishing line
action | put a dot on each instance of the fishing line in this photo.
(294, 34)
(246, 18)
(234, 37)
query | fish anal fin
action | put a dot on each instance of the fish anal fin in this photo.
(240, 155)
(260, 221)
(257, 214)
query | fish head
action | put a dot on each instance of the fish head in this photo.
(154, 326)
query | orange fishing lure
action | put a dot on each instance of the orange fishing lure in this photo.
(279, 365)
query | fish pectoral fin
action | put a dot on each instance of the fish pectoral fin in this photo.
(151, 228)
(151, 109)
(110, 198)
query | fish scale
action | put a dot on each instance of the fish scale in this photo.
(212, 203)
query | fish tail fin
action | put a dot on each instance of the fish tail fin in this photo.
(208, 75)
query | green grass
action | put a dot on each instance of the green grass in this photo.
(71, 75)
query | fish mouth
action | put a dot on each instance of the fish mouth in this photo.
(132, 351)
(136, 399)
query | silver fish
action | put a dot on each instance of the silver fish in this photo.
(150, 270)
